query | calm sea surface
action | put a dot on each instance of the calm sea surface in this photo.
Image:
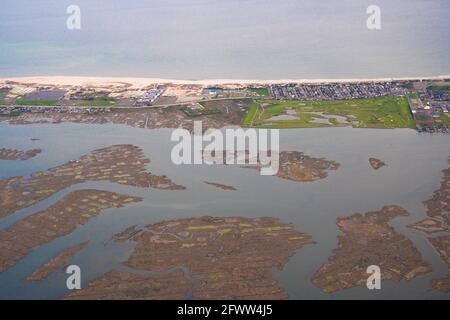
(414, 169)
(240, 39)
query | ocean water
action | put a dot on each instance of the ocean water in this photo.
(239, 39)
(414, 169)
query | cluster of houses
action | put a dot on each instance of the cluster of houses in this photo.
(337, 91)
(434, 114)
(439, 93)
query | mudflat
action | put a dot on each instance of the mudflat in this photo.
(123, 164)
(438, 221)
(299, 167)
(61, 219)
(376, 164)
(221, 186)
(201, 258)
(367, 240)
(13, 154)
(60, 261)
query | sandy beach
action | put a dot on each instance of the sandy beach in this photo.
(142, 82)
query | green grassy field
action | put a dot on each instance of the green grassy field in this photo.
(2, 97)
(380, 112)
(101, 102)
(262, 92)
(439, 87)
(27, 102)
(443, 119)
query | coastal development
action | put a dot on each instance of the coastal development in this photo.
(422, 104)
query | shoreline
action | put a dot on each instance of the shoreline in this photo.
(140, 82)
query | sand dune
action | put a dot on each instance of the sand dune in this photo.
(142, 82)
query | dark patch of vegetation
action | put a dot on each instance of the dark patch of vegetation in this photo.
(199, 112)
(97, 102)
(30, 102)
(437, 87)
(262, 92)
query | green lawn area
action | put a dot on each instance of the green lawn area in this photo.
(262, 92)
(101, 102)
(380, 112)
(439, 87)
(444, 119)
(424, 117)
(27, 102)
(2, 97)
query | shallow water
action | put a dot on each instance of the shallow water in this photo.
(233, 39)
(413, 172)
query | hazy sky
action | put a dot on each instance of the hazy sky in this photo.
(196, 39)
